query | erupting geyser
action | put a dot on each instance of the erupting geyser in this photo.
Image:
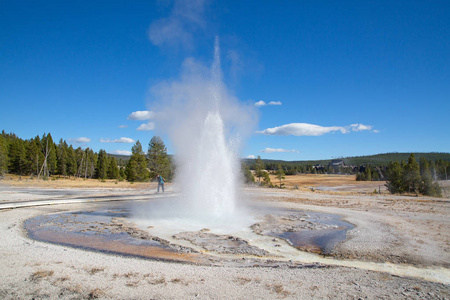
(204, 124)
(209, 178)
(212, 190)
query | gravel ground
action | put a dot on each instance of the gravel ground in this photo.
(411, 231)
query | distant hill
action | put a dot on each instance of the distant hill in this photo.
(377, 159)
(118, 156)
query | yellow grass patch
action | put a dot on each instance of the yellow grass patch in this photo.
(61, 182)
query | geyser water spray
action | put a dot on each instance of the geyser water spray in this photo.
(209, 177)
(205, 125)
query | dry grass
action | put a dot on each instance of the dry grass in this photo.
(93, 271)
(315, 180)
(41, 274)
(279, 290)
(96, 293)
(243, 280)
(134, 283)
(61, 182)
(329, 182)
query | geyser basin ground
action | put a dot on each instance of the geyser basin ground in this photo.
(406, 232)
(113, 228)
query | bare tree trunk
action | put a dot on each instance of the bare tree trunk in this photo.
(81, 166)
(85, 172)
(44, 165)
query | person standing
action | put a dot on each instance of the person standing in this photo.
(161, 181)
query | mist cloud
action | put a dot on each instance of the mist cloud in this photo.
(183, 104)
(179, 28)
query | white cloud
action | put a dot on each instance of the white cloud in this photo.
(251, 156)
(279, 150)
(123, 126)
(262, 103)
(120, 152)
(121, 140)
(146, 127)
(305, 129)
(360, 127)
(80, 140)
(141, 115)
(180, 27)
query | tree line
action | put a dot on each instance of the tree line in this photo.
(401, 177)
(414, 177)
(42, 157)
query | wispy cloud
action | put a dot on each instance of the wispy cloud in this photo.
(123, 126)
(251, 156)
(121, 140)
(146, 127)
(278, 150)
(185, 20)
(262, 103)
(141, 115)
(360, 127)
(305, 129)
(120, 152)
(80, 140)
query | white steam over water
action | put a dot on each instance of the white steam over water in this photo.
(205, 124)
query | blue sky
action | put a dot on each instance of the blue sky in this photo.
(343, 78)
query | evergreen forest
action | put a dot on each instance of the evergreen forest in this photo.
(42, 157)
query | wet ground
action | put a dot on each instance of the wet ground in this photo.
(110, 228)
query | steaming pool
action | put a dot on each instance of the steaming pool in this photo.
(271, 236)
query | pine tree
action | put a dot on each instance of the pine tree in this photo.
(247, 174)
(411, 175)
(427, 186)
(136, 168)
(280, 174)
(51, 158)
(394, 178)
(3, 156)
(259, 168)
(113, 170)
(158, 160)
(16, 155)
(368, 173)
(32, 155)
(266, 179)
(102, 165)
(71, 163)
(61, 155)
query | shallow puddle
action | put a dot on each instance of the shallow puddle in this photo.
(101, 231)
(110, 229)
(320, 240)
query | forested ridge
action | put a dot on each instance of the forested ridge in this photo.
(42, 157)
